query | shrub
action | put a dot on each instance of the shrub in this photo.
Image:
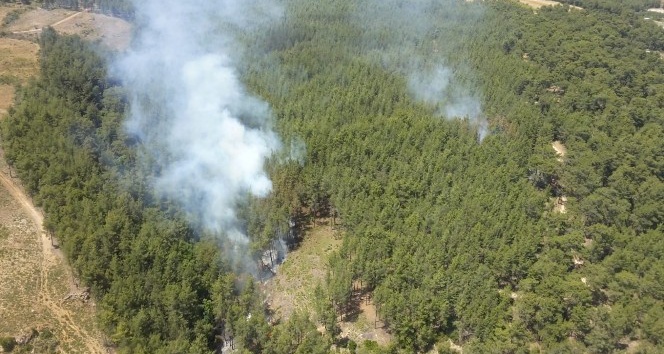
(7, 343)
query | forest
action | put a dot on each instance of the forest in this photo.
(450, 220)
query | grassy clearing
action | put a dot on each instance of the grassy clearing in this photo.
(304, 268)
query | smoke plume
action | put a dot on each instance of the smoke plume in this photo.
(418, 38)
(204, 138)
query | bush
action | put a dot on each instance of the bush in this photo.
(12, 16)
(7, 343)
(352, 346)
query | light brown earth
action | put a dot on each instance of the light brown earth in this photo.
(560, 149)
(367, 326)
(112, 32)
(36, 18)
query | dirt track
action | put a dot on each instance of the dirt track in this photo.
(50, 257)
(37, 30)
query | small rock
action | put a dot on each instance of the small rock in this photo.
(25, 337)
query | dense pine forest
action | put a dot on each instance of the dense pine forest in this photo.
(451, 221)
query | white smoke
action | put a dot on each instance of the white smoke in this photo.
(437, 87)
(414, 38)
(205, 137)
(298, 151)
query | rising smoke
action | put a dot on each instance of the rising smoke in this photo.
(203, 136)
(418, 39)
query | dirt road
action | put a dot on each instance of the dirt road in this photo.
(49, 258)
(38, 30)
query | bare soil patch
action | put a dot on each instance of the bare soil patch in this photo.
(35, 277)
(559, 203)
(560, 149)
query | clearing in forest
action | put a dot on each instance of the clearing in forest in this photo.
(560, 202)
(36, 18)
(112, 32)
(536, 4)
(292, 288)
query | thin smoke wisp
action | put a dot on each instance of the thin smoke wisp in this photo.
(416, 39)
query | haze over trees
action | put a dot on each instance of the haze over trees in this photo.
(455, 238)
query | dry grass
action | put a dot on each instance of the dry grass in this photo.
(112, 32)
(18, 59)
(18, 62)
(367, 326)
(6, 98)
(37, 18)
(292, 288)
(35, 278)
(304, 268)
(20, 268)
